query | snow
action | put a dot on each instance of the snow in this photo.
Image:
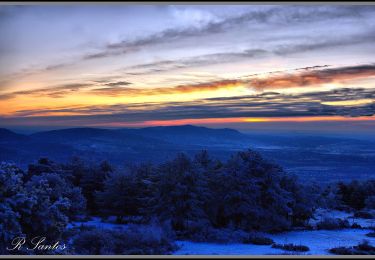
(96, 222)
(319, 241)
(192, 248)
(320, 214)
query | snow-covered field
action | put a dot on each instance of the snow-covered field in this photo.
(320, 214)
(192, 248)
(319, 241)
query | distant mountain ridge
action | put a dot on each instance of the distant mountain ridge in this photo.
(6, 134)
(126, 144)
(310, 156)
(189, 134)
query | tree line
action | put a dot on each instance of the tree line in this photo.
(246, 192)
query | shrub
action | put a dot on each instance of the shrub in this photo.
(356, 225)
(370, 202)
(357, 195)
(363, 214)
(291, 247)
(134, 240)
(332, 223)
(258, 239)
(363, 248)
(200, 233)
(341, 251)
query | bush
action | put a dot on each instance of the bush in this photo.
(363, 248)
(363, 214)
(134, 240)
(341, 251)
(206, 233)
(291, 247)
(356, 225)
(258, 239)
(332, 224)
(370, 202)
(357, 195)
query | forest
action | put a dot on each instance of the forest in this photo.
(196, 198)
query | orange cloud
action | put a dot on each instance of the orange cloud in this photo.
(207, 86)
(316, 77)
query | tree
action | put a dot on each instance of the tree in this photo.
(92, 181)
(40, 205)
(180, 196)
(370, 202)
(11, 184)
(119, 196)
(352, 194)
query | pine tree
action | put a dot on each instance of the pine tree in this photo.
(119, 196)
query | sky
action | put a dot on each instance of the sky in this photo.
(248, 67)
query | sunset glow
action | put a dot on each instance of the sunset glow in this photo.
(206, 65)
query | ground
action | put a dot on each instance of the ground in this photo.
(319, 241)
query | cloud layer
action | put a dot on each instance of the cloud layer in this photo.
(267, 104)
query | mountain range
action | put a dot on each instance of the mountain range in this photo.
(310, 156)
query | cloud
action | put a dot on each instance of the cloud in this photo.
(54, 92)
(296, 78)
(118, 83)
(300, 77)
(317, 44)
(192, 62)
(268, 104)
(276, 16)
(180, 89)
(314, 77)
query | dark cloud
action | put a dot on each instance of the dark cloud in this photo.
(196, 61)
(56, 66)
(268, 104)
(317, 44)
(118, 83)
(55, 91)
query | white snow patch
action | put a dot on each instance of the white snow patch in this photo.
(98, 223)
(320, 214)
(320, 241)
(193, 248)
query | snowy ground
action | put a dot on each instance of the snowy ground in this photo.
(192, 248)
(320, 214)
(319, 241)
(96, 222)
